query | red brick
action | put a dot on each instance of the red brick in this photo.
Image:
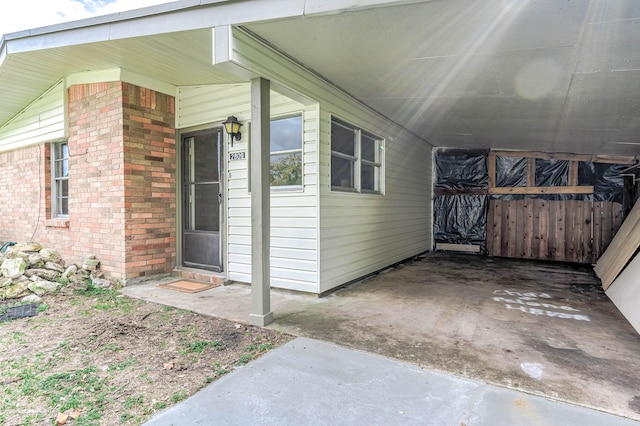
(113, 128)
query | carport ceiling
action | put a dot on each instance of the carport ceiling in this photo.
(507, 74)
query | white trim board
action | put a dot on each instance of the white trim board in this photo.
(625, 292)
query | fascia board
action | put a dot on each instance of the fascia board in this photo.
(329, 7)
(156, 21)
(179, 16)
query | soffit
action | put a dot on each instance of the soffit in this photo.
(178, 59)
(543, 75)
(504, 74)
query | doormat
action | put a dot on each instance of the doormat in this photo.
(187, 286)
(15, 312)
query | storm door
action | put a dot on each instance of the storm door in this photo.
(201, 199)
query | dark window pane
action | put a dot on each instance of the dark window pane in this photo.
(62, 168)
(369, 148)
(342, 139)
(286, 134)
(61, 160)
(286, 169)
(63, 188)
(63, 206)
(369, 179)
(341, 172)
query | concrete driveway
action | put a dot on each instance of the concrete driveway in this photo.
(541, 328)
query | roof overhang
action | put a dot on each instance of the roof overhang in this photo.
(506, 74)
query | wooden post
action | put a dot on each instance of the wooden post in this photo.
(491, 169)
(261, 314)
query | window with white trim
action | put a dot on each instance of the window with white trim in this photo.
(286, 151)
(60, 179)
(356, 159)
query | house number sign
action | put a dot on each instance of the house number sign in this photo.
(237, 155)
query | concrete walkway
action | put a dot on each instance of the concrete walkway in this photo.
(308, 382)
(545, 329)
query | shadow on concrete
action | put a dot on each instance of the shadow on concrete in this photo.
(541, 328)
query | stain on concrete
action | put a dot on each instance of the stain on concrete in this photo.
(438, 312)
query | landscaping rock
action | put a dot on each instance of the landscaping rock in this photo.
(43, 287)
(47, 274)
(29, 269)
(33, 247)
(54, 267)
(16, 254)
(13, 268)
(90, 263)
(15, 290)
(71, 270)
(34, 260)
(100, 282)
(31, 298)
(49, 255)
(79, 279)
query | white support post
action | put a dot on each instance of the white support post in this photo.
(261, 314)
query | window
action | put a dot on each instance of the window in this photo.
(60, 179)
(286, 151)
(355, 159)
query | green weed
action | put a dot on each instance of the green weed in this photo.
(107, 299)
(111, 347)
(133, 401)
(123, 365)
(198, 347)
(178, 396)
(72, 390)
(245, 358)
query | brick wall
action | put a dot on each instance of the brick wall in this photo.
(25, 197)
(150, 181)
(96, 186)
(121, 183)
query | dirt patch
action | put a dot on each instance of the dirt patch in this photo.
(104, 358)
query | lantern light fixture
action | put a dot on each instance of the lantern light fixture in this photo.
(232, 126)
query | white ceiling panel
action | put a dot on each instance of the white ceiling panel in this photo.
(506, 74)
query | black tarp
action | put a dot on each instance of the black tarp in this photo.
(456, 170)
(511, 171)
(552, 172)
(460, 219)
(607, 180)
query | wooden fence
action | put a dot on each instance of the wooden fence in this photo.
(568, 231)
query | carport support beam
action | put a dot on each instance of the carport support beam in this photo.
(261, 314)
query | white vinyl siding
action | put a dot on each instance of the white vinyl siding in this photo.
(294, 233)
(359, 233)
(42, 121)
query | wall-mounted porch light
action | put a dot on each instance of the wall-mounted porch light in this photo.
(232, 126)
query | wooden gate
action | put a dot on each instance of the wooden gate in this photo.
(568, 231)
